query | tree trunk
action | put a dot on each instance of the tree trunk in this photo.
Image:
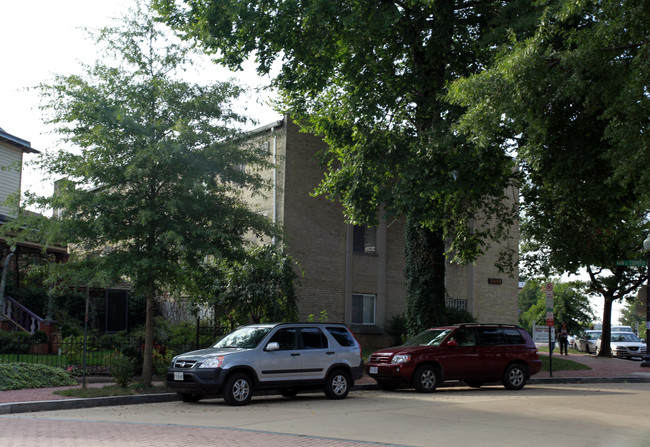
(425, 277)
(147, 355)
(606, 335)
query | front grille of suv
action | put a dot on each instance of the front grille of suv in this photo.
(380, 358)
(184, 363)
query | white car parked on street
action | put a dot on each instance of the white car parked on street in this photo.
(625, 345)
(586, 342)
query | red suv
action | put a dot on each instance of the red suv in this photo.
(473, 353)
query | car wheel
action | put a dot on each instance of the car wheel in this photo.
(337, 385)
(189, 397)
(238, 389)
(514, 378)
(473, 384)
(386, 385)
(425, 379)
(289, 392)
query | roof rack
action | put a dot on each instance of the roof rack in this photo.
(486, 324)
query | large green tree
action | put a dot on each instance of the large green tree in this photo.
(153, 184)
(570, 305)
(261, 288)
(572, 98)
(370, 78)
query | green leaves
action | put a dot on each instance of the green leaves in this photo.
(154, 181)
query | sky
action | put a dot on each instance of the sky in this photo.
(42, 38)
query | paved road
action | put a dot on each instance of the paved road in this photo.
(594, 415)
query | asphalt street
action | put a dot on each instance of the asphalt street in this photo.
(594, 415)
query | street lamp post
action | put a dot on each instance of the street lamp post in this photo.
(646, 359)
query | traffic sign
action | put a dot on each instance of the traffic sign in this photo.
(549, 297)
(549, 288)
(631, 263)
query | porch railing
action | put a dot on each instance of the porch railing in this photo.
(19, 315)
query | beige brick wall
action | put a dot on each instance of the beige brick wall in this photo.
(315, 229)
(319, 239)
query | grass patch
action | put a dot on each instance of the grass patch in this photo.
(113, 390)
(562, 364)
(556, 351)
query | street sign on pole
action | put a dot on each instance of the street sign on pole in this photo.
(631, 263)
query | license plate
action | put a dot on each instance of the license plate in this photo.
(178, 376)
(373, 370)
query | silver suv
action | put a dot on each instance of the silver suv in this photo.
(289, 357)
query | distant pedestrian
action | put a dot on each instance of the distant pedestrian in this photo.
(563, 338)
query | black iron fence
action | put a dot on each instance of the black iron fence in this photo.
(90, 354)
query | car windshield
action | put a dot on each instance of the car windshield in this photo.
(625, 337)
(243, 338)
(593, 335)
(431, 337)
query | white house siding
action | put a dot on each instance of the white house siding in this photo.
(10, 175)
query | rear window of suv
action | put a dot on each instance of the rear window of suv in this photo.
(514, 337)
(342, 336)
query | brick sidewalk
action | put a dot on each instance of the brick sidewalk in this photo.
(15, 432)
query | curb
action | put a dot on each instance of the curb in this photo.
(71, 404)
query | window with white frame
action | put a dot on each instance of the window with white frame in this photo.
(363, 308)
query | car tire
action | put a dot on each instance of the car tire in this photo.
(425, 379)
(514, 377)
(337, 385)
(238, 390)
(474, 384)
(189, 397)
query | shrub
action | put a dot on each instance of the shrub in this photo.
(17, 376)
(39, 337)
(14, 342)
(116, 340)
(121, 368)
(72, 347)
(396, 329)
(456, 316)
(161, 363)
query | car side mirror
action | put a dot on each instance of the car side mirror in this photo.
(452, 344)
(273, 346)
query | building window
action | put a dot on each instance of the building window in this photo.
(456, 304)
(364, 239)
(363, 308)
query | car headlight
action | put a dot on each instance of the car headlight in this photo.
(401, 358)
(212, 362)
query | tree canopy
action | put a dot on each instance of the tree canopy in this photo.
(370, 78)
(571, 98)
(570, 305)
(153, 187)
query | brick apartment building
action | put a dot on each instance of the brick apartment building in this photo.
(356, 274)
